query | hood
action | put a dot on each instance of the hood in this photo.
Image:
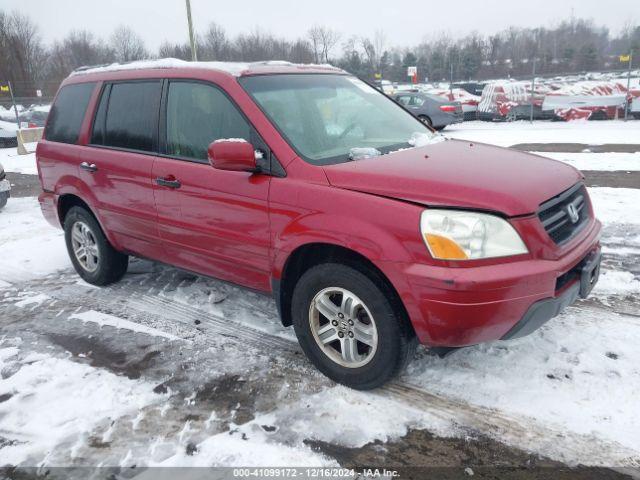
(461, 174)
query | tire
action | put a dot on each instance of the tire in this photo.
(511, 117)
(439, 129)
(102, 267)
(3, 201)
(395, 341)
(426, 120)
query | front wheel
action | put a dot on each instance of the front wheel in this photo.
(93, 257)
(350, 329)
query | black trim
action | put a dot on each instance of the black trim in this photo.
(542, 311)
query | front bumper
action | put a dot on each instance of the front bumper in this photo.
(585, 274)
(458, 307)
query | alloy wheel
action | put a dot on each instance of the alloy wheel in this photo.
(85, 247)
(343, 327)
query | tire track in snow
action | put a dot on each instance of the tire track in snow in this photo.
(527, 433)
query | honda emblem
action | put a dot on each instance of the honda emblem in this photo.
(573, 213)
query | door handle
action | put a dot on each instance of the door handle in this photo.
(88, 167)
(170, 182)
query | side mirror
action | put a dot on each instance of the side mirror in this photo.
(232, 154)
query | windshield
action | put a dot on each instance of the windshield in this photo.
(331, 119)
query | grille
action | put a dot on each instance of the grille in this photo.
(566, 214)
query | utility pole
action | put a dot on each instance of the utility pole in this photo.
(627, 103)
(192, 38)
(533, 88)
(15, 107)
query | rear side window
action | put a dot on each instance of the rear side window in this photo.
(67, 113)
(198, 114)
(127, 116)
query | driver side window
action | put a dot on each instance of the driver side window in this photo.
(198, 114)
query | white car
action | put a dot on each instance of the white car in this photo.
(635, 107)
(5, 188)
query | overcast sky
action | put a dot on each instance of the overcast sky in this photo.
(404, 23)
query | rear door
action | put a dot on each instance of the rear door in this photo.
(211, 221)
(118, 162)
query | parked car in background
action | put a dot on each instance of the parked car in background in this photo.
(33, 119)
(371, 232)
(8, 137)
(5, 187)
(509, 101)
(468, 101)
(474, 88)
(589, 100)
(432, 110)
(635, 107)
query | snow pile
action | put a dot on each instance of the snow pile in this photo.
(359, 153)
(12, 162)
(53, 400)
(233, 68)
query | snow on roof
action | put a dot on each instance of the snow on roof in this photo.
(233, 68)
(591, 88)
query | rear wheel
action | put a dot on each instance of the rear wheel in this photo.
(93, 257)
(350, 329)
(426, 120)
(3, 200)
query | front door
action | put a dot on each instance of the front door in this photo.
(211, 221)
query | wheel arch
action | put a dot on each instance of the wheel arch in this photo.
(311, 254)
(66, 201)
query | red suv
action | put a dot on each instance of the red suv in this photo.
(371, 231)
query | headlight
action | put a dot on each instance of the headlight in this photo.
(460, 235)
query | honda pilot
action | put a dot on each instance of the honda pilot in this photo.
(372, 232)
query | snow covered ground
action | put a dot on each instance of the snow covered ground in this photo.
(12, 162)
(508, 134)
(166, 368)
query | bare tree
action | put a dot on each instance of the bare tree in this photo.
(175, 50)
(21, 52)
(374, 50)
(77, 49)
(323, 39)
(214, 44)
(127, 45)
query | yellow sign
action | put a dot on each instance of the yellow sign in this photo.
(625, 58)
(4, 88)
(377, 75)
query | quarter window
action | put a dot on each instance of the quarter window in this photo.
(198, 114)
(130, 118)
(67, 113)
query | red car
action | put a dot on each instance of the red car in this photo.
(372, 232)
